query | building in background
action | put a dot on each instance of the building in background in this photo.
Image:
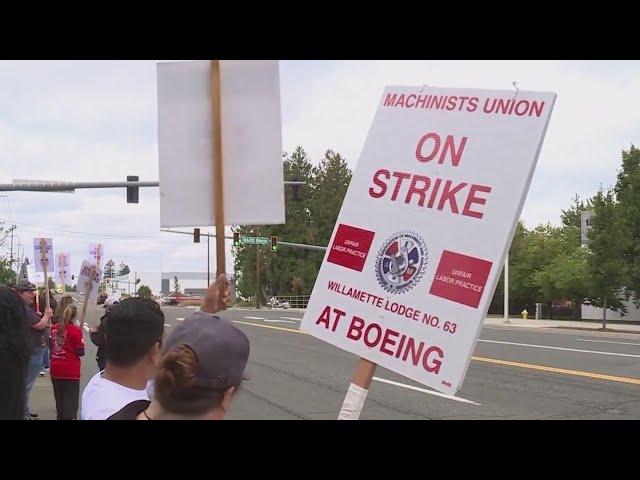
(189, 283)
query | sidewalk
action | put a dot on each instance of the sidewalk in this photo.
(42, 400)
(592, 325)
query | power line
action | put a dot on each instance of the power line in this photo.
(99, 235)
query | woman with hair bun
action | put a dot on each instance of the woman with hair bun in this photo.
(202, 365)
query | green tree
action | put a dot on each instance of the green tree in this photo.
(309, 219)
(52, 283)
(176, 284)
(124, 269)
(7, 275)
(144, 291)
(605, 262)
(109, 269)
(566, 277)
(627, 191)
(330, 183)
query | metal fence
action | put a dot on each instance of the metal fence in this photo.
(293, 301)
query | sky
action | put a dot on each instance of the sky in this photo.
(97, 121)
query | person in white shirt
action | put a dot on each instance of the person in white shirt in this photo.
(134, 334)
(134, 337)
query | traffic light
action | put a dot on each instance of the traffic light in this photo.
(132, 192)
(196, 235)
(236, 239)
(274, 244)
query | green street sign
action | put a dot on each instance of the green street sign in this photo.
(255, 240)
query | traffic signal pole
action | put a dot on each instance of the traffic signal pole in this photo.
(258, 274)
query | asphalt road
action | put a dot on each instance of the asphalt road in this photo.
(515, 373)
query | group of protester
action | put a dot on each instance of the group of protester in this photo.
(193, 373)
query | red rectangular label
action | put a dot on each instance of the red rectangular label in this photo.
(350, 247)
(460, 278)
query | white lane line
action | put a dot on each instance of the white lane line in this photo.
(180, 319)
(562, 348)
(193, 307)
(255, 318)
(605, 341)
(430, 392)
(292, 318)
(167, 325)
(277, 321)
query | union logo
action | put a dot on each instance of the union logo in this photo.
(401, 262)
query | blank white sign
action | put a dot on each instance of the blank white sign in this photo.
(251, 143)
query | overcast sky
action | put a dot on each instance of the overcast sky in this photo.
(97, 121)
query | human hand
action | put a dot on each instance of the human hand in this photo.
(218, 295)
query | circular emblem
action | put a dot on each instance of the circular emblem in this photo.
(401, 262)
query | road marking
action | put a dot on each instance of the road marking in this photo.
(562, 348)
(193, 307)
(430, 392)
(180, 319)
(167, 325)
(634, 381)
(605, 341)
(278, 321)
(292, 318)
(270, 326)
(255, 318)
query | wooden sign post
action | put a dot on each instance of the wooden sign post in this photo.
(217, 166)
(87, 292)
(44, 260)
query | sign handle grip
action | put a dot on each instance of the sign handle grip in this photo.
(358, 390)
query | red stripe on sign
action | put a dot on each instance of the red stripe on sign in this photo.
(350, 247)
(460, 278)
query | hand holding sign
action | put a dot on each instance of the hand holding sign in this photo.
(218, 295)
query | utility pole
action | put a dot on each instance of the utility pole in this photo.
(208, 262)
(13, 227)
(257, 273)
(506, 289)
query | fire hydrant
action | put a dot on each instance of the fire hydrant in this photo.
(524, 313)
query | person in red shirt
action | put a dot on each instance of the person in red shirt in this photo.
(67, 346)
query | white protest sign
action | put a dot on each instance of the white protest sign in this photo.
(43, 254)
(63, 268)
(419, 244)
(253, 189)
(96, 252)
(89, 279)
